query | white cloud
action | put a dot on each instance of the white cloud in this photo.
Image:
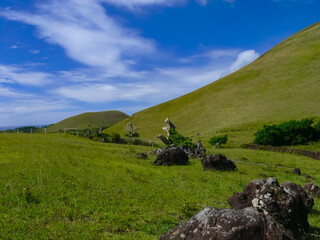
(134, 3)
(212, 55)
(35, 106)
(156, 85)
(244, 58)
(87, 34)
(202, 2)
(33, 51)
(95, 93)
(13, 74)
(6, 92)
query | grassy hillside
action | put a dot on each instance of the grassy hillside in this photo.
(282, 84)
(57, 186)
(89, 120)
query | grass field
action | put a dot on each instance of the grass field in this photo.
(57, 186)
(89, 120)
(283, 84)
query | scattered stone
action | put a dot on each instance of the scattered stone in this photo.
(217, 162)
(308, 176)
(124, 152)
(263, 175)
(264, 210)
(296, 171)
(171, 156)
(313, 189)
(142, 155)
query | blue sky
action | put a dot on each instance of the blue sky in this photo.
(59, 58)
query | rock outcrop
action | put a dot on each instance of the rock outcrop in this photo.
(217, 162)
(196, 151)
(264, 210)
(229, 224)
(287, 203)
(171, 156)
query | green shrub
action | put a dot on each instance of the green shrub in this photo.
(317, 128)
(178, 140)
(288, 133)
(218, 139)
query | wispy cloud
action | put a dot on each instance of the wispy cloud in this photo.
(109, 53)
(134, 3)
(6, 92)
(155, 85)
(33, 51)
(35, 110)
(14, 74)
(87, 34)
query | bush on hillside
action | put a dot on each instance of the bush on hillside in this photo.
(218, 139)
(131, 131)
(178, 140)
(288, 133)
(317, 128)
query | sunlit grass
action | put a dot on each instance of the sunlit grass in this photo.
(63, 187)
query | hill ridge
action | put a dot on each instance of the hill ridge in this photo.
(90, 120)
(280, 85)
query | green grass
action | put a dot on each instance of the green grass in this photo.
(89, 120)
(283, 84)
(57, 186)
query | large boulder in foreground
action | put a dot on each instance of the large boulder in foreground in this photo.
(171, 156)
(229, 224)
(217, 162)
(288, 203)
(264, 210)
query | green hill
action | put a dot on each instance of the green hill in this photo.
(89, 120)
(282, 84)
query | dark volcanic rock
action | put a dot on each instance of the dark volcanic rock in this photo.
(142, 156)
(308, 176)
(296, 171)
(264, 210)
(172, 156)
(312, 188)
(229, 224)
(200, 151)
(217, 162)
(287, 204)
